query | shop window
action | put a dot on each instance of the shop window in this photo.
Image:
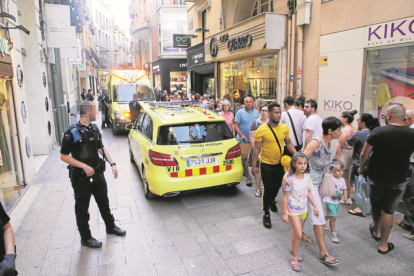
(10, 174)
(253, 76)
(261, 6)
(389, 78)
(178, 81)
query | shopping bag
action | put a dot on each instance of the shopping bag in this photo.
(362, 192)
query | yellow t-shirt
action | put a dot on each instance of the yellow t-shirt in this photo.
(270, 153)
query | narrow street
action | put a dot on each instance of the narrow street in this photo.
(214, 232)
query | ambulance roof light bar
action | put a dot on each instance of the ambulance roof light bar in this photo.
(173, 104)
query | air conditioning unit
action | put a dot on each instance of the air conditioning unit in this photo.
(208, 4)
(303, 12)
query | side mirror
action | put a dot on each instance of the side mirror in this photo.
(128, 126)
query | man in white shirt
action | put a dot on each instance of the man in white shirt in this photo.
(298, 119)
(312, 127)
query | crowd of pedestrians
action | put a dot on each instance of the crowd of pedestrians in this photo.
(300, 137)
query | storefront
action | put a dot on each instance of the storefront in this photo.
(11, 169)
(201, 74)
(250, 58)
(170, 74)
(368, 68)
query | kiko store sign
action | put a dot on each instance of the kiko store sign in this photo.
(394, 32)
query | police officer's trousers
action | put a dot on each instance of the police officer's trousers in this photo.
(84, 189)
(105, 118)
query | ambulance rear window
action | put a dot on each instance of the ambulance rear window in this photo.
(194, 133)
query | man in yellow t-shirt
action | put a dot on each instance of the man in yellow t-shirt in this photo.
(271, 153)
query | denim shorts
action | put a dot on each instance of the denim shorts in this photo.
(386, 197)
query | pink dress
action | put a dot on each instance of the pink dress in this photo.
(229, 119)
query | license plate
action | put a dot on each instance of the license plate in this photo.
(201, 161)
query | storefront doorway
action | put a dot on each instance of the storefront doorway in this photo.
(11, 176)
(208, 87)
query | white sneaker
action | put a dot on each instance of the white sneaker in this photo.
(326, 227)
(346, 202)
(334, 237)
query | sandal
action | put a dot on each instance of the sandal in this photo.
(371, 229)
(355, 213)
(258, 193)
(249, 181)
(295, 267)
(400, 224)
(306, 238)
(300, 258)
(331, 262)
(390, 248)
(409, 236)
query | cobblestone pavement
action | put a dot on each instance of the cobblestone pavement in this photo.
(214, 232)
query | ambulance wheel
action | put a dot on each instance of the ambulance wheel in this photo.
(114, 131)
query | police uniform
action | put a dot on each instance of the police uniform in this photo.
(103, 100)
(83, 143)
(134, 110)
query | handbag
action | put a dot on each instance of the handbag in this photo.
(327, 186)
(298, 147)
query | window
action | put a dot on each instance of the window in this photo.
(261, 6)
(388, 79)
(97, 16)
(140, 121)
(186, 133)
(171, 22)
(147, 127)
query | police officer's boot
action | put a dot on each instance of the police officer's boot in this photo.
(92, 243)
(116, 231)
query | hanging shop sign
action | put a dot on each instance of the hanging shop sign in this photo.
(44, 79)
(181, 41)
(58, 26)
(23, 111)
(19, 75)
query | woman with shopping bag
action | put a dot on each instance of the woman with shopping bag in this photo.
(366, 123)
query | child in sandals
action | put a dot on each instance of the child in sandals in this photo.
(295, 202)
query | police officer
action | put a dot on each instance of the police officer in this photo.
(7, 245)
(135, 108)
(86, 171)
(104, 106)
